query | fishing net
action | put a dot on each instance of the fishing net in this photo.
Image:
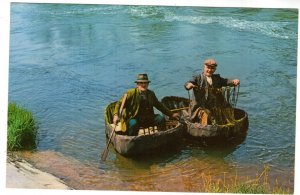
(214, 105)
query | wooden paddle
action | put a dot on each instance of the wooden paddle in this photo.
(105, 152)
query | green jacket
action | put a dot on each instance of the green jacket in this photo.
(132, 105)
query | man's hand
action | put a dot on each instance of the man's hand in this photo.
(116, 119)
(189, 86)
(176, 116)
(235, 82)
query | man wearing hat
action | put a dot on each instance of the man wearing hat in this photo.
(138, 108)
(203, 82)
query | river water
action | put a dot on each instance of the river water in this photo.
(67, 62)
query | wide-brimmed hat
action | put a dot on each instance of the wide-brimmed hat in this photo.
(210, 62)
(142, 78)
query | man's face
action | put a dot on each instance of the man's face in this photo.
(142, 86)
(209, 70)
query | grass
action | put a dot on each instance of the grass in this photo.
(22, 129)
(258, 185)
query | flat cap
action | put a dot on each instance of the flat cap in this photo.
(210, 62)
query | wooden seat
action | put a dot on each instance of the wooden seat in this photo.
(148, 130)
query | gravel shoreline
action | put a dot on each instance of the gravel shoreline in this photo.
(21, 174)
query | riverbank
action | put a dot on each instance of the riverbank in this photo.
(77, 175)
(21, 174)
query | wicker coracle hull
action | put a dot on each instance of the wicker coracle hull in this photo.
(147, 142)
(236, 128)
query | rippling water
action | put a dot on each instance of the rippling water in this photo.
(67, 62)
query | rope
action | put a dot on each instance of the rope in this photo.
(190, 105)
(233, 100)
(237, 95)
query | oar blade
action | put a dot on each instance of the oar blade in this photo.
(104, 155)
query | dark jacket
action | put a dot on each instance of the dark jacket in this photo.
(205, 95)
(217, 81)
(132, 105)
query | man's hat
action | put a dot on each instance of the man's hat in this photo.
(142, 78)
(210, 62)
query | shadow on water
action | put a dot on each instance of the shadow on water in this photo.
(162, 155)
(174, 152)
(219, 147)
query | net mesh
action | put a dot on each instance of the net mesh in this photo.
(220, 102)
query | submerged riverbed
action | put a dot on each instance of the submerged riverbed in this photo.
(68, 62)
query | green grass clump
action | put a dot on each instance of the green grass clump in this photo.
(249, 189)
(22, 129)
(258, 185)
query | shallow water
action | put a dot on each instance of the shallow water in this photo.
(67, 62)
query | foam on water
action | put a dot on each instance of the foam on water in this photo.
(276, 29)
(268, 28)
